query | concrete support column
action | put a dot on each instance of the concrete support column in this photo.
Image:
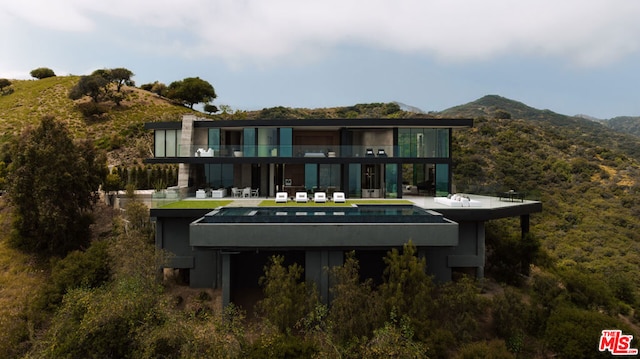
(226, 279)
(186, 142)
(159, 246)
(481, 249)
(316, 269)
(524, 225)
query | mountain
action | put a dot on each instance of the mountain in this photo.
(592, 133)
(624, 124)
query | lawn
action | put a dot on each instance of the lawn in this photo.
(196, 204)
(349, 203)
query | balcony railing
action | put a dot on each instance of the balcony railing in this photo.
(288, 151)
(283, 151)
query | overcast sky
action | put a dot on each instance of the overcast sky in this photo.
(569, 56)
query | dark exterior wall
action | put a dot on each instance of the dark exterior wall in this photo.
(174, 238)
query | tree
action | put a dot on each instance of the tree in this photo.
(42, 73)
(407, 289)
(121, 76)
(93, 86)
(4, 83)
(190, 91)
(53, 186)
(209, 108)
(286, 299)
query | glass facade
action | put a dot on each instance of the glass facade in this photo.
(218, 175)
(214, 139)
(355, 180)
(286, 142)
(267, 142)
(310, 175)
(423, 142)
(166, 143)
(329, 175)
(442, 179)
(249, 142)
(381, 179)
(391, 180)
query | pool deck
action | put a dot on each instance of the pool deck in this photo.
(486, 202)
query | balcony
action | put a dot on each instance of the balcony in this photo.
(309, 151)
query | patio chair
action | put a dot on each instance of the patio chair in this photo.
(236, 192)
(338, 197)
(319, 197)
(281, 197)
(255, 192)
(246, 192)
(301, 197)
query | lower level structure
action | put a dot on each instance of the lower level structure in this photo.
(227, 248)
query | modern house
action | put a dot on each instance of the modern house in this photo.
(248, 161)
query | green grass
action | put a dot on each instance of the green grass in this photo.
(349, 203)
(196, 204)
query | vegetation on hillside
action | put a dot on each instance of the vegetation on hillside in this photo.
(575, 275)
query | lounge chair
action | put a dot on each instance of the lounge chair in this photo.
(338, 197)
(320, 197)
(301, 197)
(281, 197)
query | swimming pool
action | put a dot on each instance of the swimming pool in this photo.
(353, 214)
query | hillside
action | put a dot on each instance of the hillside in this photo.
(586, 175)
(120, 131)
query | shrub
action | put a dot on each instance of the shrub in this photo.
(356, 309)
(280, 346)
(495, 349)
(575, 333)
(286, 299)
(89, 269)
(42, 73)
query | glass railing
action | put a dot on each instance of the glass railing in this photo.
(318, 151)
(287, 151)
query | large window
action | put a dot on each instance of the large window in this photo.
(423, 142)
(442, 179)
(166, 143)
(249, 142)
(391, 180)
(267, 142)
(355, 180)
(214, 138)
(286, 142)
(310, 176)
(218, 175)
(329, 176)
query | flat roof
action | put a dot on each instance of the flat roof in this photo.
(322, 123)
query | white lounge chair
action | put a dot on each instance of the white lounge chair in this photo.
(301, 197)
(320, 197)
(338, 197)
(281, 197)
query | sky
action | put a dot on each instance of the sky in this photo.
(570, 56)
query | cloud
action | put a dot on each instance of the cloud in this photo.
(582, 33)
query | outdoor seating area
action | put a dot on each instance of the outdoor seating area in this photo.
(319, 197)
(282, 197)
(301, 197)
(246, 192)
(458, 200)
